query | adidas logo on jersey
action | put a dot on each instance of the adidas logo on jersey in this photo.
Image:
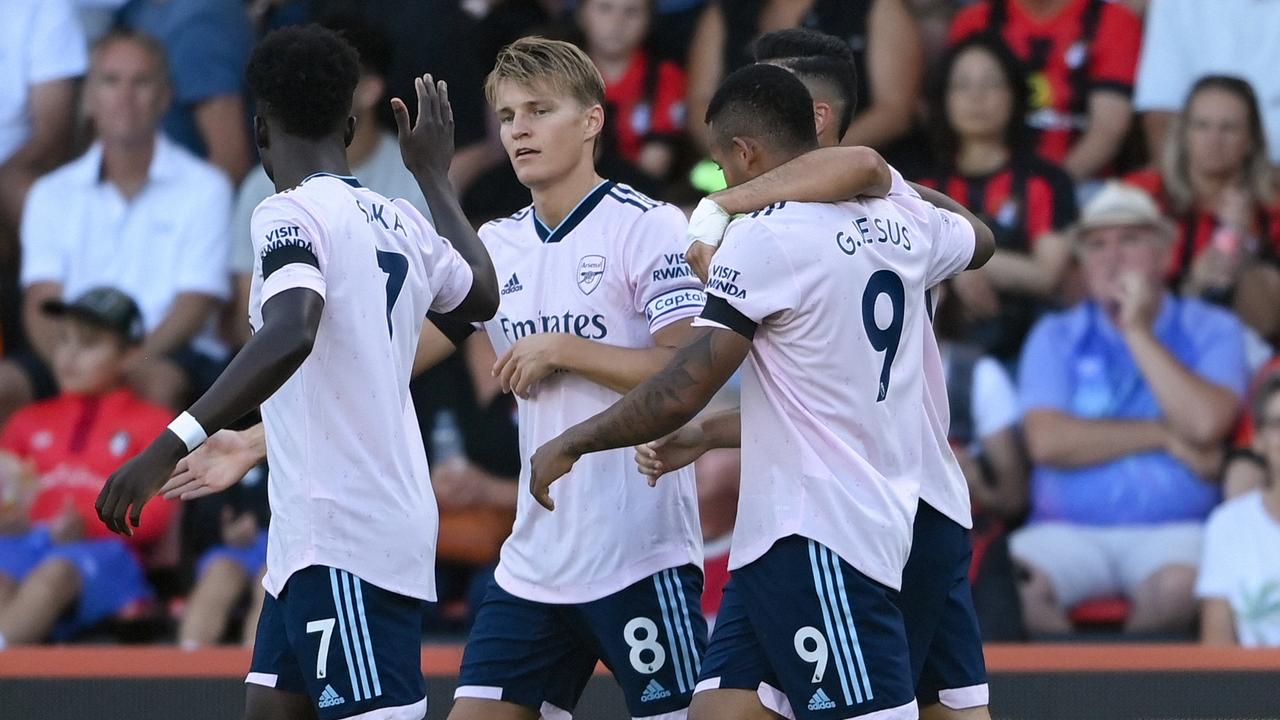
(655, 691)
(820, 701)
(330, 697)
(513, 285)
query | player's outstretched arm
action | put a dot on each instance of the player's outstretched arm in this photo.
(218, 464)
(290, 320)
(984, 245)
(427, 149)
(824, 175)
(654, 408)
(684, 446)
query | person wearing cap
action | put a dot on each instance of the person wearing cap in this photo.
(136, 212)
(1128, 398)
(60, 570)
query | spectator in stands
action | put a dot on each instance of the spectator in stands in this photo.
(1239, 583)
(1245, 469)
(61, 570)
(374, 154)
(985, 437)
(645, 95)
(229, 574)
(1128, 398)
(986, 160)
(42, 52)
(208, 43)
(882, 34)
(136, 212)
(1082, 55)
(1216, 180)
(1185, 40)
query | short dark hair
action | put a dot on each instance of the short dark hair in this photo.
(1017, 136)
(371, 43)
(305, 78)
(814, 55)
(765, 102)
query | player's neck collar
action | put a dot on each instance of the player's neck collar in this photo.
(348, 179)
(575, 216)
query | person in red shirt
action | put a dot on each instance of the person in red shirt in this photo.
(986, 161)
(1215, 179)
(60, 570)
(645, 95)
(1083, 56)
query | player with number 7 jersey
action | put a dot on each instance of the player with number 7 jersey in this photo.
(343, 280)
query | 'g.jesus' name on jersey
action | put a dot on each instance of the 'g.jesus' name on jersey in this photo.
(612, 272)
(349, 484)
(832, 396)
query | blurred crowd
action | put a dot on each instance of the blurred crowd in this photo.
(1114, 384)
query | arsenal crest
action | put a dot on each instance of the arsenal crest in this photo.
(590, 273)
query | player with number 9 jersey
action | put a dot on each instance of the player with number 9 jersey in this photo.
(830, 296)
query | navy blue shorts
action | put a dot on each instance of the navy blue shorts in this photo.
(651, 635)
(815, 638)
(350, 646)
(937, 607)
(110, 575)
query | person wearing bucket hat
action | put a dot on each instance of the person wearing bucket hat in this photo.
(67, 572)
(1128, 398)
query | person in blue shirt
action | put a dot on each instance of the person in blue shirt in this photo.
(1128, 398)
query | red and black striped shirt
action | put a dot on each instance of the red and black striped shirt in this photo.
(1195, 227)
(1022, 201)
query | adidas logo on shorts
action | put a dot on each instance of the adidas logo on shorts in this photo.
(654, 691)
(513, 285)
(330, 697)
(820, 701)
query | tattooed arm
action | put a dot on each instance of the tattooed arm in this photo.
(654, 408)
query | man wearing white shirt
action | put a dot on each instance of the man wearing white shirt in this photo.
(135, 212)
(42, 52)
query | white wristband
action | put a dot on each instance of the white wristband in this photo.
(189, 431)
(707, 224)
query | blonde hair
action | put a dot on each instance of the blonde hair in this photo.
(1175, 167)
(532, 60)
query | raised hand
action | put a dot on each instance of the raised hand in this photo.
(427, 145)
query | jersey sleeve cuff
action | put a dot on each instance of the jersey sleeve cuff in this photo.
(719, 312)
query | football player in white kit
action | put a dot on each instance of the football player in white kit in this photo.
(936, 597)
(820, 296)
(343, 280)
